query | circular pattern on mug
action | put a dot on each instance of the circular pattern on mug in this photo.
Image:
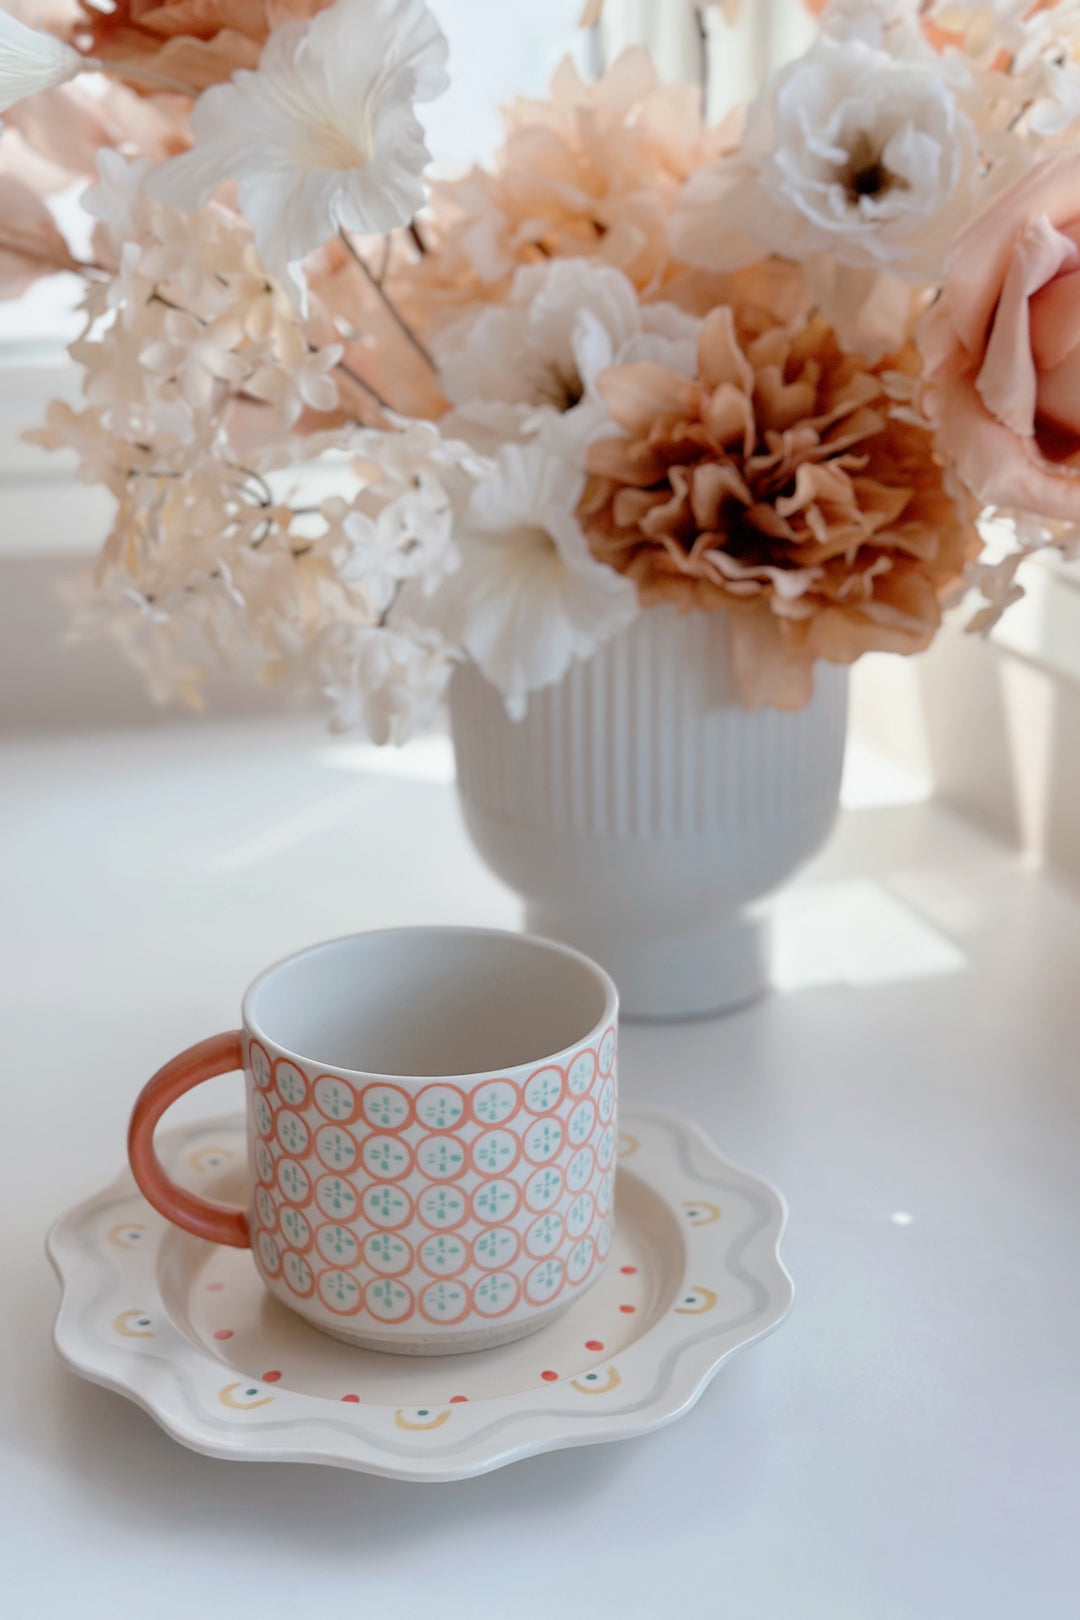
(386, 1206)
(335, 1197)
(605, 1192)
(335, 1147)
(579, 1076)
(292, 1133)
(388, 1254)
(580, 1262)
(605, 1103)
(387, 1108)
(579, 1215)
(290, 1083)
(442, 1207)
(440, 1107)
(264, 1162)
(496, 1293)
(544, 1236)
(580, 1169)
(544, 1282)
(606, 1055)
(262, 1114)
(387, 1158)
(542, 1140)
(605, 1151)
(388, 1300)
(340, 1293)
(441, 1158)
(335, 1099)
(259, 1064)
(295, 1229)
(496, 1247)
(495, 1201)
(264, 1207)
(294, 1181)
(269, 1254)
(603, 1238)
(495, 1152)
(544, 1188)
(495, 1102)
(444, 1301)
(579, 1125)
(543, 1090)
(443, 1255)
(298, 1274)
(337, 1245)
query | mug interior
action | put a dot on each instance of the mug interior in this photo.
(430, 1002)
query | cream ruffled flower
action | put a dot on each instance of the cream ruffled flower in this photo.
(530, 365)
(856, 150)
(322, 135)
(528, 598)
(31, 62)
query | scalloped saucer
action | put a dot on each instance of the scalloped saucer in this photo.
(186, 1329)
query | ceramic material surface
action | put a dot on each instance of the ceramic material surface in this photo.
(187, 1330)
(417, 1210)
(642, 813)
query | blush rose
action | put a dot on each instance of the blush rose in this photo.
(1002, 348)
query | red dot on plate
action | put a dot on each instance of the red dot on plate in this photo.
(628, 1271)
(594, 1344)
(350, 1397)
(454, 1398)
(215, 1288)
(270, 1377)
(223, 1333)
(628, 1310)
(549, 1376)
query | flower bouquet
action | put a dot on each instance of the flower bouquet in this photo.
(645, 400)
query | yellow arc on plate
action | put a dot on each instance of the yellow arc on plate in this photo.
(226, 1397)
(698, 1213)
(122, 1324)
(613, 1381)
(708, 1300)
(121, 1235)
(435, 1423)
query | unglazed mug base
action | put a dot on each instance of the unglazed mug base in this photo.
(464, 1343)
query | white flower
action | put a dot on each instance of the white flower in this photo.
(297, 377)
(30, 61)
(531, 364)
(323, 133)
(529, 597)
(855, 150)
(196, 357)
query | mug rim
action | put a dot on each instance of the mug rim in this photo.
(596, 1033)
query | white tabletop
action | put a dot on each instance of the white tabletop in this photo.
(905, 1447)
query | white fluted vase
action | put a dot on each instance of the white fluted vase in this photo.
(643, 813)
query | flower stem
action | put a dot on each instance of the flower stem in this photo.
(391, 308)
(364, 385)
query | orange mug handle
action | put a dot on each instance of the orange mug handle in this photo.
(215, 1222)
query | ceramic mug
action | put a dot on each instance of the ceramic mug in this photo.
(431, 1135)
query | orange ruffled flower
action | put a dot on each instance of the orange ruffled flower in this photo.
(192, 43)
(781, 485)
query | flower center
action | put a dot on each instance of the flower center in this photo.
(324, 147)
(866, 174)
(563, 389)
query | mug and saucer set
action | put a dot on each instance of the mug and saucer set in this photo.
(435, 1242)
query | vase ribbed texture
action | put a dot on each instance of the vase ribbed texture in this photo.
(647, 740)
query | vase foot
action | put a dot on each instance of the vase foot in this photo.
(677, 976)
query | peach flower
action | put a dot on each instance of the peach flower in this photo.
(594, 172)
(1002, 348)
(782, 486)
